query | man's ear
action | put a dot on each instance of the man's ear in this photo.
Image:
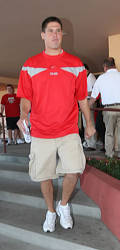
(43, 35)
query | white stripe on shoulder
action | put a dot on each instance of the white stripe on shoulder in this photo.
(74, 70)
(33, 71)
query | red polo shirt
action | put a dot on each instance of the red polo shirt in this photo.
(53, 84)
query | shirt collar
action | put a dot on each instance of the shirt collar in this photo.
(114, 69)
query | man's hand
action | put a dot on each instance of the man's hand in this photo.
(25, 106)
(89, 131)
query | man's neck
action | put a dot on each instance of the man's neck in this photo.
(107, 68)
(54, 52)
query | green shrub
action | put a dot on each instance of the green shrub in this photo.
(108, 166)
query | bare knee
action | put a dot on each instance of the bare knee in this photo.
(47, 184)
(72, 176)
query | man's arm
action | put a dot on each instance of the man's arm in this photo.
(89, 130)
(25, 107)
(89, 93)
(2, 109)
(92, 101)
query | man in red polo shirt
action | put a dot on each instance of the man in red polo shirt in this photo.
(51, 84)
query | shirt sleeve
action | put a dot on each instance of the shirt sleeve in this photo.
(18, 99)
(3, 100)
(95, 90)
(81, 85)
(90, 82)
(25, 85)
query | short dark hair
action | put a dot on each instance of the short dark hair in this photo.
(109, 62)
(50, 19)
(10, 85)
(86, 66)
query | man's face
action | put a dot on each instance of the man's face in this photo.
(105, 68)
(10, 90)
(52, 36)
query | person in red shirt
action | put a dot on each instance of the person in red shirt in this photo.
(51, 84)
(11, 104)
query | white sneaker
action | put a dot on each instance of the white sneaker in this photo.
(65, 218)
(20, 141)
(85, 145)
(99, 143)
(9, 142)
(49, 224)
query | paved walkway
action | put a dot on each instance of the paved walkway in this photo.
(22, 211)
(16, 150)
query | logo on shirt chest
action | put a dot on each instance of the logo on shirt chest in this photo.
(53, 73)
(11, 100)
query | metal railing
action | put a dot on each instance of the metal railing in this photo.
(3, 131)
(105, 109)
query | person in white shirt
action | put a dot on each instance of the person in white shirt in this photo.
(108, 85)
(89, 144)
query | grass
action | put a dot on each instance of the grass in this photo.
(108, 166)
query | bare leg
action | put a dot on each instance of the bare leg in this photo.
(47, 191)
(19, 134)
(15, 134)
(10, 134)
(69, 184)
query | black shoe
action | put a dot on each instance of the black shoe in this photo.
(102, 149)
(89, 149)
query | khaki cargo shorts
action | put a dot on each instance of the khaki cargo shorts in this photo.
(50, 158)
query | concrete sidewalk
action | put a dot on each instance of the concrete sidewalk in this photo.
(16, 150)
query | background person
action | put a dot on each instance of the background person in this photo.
(100, 126)
(89, 143)
(108, 85)
(50, 85)
(11, 104)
